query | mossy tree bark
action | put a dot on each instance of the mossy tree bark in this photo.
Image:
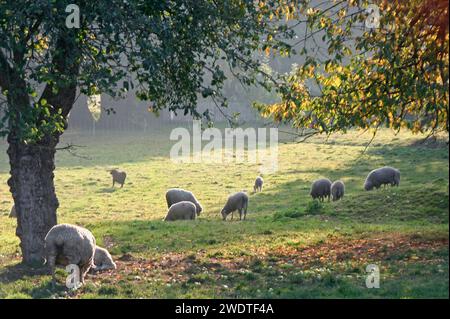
(32, 187)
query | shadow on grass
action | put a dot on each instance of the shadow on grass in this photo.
(18, 271)
(32, 275)
(106, 190)
(46, 290)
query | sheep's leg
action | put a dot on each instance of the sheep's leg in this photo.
(51, 263)
(53, 269)
(240, 214)
(113, 184)
(121, 186)
(83, 271)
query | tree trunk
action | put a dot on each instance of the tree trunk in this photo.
(33, 190)
(32, 165)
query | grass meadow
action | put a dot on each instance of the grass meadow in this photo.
(289, 246)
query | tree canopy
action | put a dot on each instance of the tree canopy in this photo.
(364, 70)
(162, 49)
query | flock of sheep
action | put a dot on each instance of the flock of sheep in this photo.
(70, 244)
(323, 187)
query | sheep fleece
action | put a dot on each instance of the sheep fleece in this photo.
(337, 190)
(118, 176)
(321, 188)
(382, 176)
(103, 259)
(181, 211)
(176, 195)
(258, 184)
(237, 201)
(70, 244)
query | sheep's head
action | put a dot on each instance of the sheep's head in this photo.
(111, 265)
(103, 260)
(368, 185)
(198, 208)
(224, 213)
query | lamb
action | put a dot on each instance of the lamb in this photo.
(321, 188)
(258, 184)
(382, 176)
(118, 177)
(337, 190)
(13, 213)
(183, 210)
(103, 259)
(176, 195)
(67, 244)
(237, 201)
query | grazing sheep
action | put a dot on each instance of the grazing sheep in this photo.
(184, 210)
(103, 259)
(237, 201)
(258, 184)
(321, 188)
(118, 177)
(67, 244)
(382, 176)
(13, 213)
(337, 190)
(176, 195)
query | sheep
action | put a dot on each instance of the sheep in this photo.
(13, 213)
(176, 195)
(184, 210)
(67, 244)
(118, 177)
(321, 188)
(103, 259)
(337, 190)
(237, 201)
(258, 184)
(382, 176)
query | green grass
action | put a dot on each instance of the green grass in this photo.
(290, 246)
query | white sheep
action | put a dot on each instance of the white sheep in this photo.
(103, 259)
(176, 195)
(118, 177)
(258, 184)
(238, 201)
(382, 176)
(184, 210)
(67, 244)
(321, 188)
(337, 190)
